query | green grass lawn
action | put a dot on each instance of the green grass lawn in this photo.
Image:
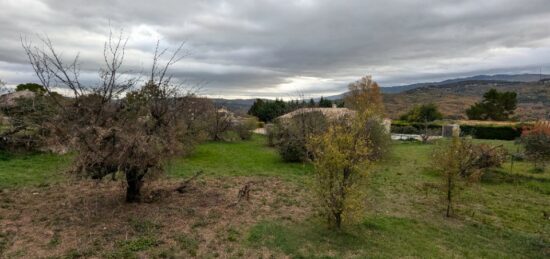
(500, 217)
(246, 158)
(18, 170)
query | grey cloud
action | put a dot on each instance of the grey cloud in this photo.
(246, 47)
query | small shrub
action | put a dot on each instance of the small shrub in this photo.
(220, 121)
(377, 138)
(341, 159)
(143, 226)
(290, 136)
(293, 150)
(231, 136)
(233, 235)
(25, 126)
(272, 134)
(139, 244)
(188, 243)
(129, 248)
(55, 241)
(460, 161)
(487, 156)
(245, 127)
(536, 142)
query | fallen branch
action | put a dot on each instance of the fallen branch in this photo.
(244, 192)
(184, 184)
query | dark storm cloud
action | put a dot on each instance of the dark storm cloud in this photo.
(280, 48)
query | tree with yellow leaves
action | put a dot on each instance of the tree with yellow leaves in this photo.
(341, 160)
(461, 162)
(364, 94)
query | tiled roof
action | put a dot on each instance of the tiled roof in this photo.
(330, 113)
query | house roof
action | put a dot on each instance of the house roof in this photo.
(329, 113)
(9, 99)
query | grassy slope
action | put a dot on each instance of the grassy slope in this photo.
(498, 218)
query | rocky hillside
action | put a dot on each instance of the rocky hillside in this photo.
(455, 97)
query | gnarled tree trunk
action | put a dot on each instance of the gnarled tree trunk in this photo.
(134, 179)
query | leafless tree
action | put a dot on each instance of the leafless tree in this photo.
(118, 124)
(221, 121)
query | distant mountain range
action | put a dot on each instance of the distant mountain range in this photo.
(454, 96)
(499, 77)
(240, 106)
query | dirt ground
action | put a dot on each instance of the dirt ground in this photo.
(90, 219)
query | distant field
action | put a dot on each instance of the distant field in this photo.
(501, 217)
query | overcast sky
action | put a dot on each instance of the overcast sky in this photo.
(278, 48)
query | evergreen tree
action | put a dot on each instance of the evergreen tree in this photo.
(256, 106)
(325, 102)
(496, 106)
(30, 87)
(267, 110)
(423, 113)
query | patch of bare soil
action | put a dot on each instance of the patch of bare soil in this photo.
(90, 219)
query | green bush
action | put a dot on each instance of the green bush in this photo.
(245, 127)
(405, 129)
(422, 113)
(293, 150)
(491, 132)
(403, 125)
(378, 139)
(272, 133)
(536, 142)
(290, 136)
